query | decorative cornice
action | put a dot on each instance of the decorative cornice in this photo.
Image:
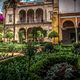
(29, 23)
(69, 14)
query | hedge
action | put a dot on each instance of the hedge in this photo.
(43, 65)
(14, 69)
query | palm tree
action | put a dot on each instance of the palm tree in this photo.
(5, 5)
(12, 4)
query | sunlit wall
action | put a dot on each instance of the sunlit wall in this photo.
(69, 6)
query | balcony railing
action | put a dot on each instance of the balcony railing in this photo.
(32, 22)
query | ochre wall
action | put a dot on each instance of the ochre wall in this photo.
(55, 27)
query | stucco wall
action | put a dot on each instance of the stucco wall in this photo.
(68, 6)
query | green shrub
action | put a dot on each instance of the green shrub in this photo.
(48, 48)
(34, 77)
(14, 69)
(15, 41)
(78, 73)
(76, 48)
(11, 47)
(42, 66)
(61, 71)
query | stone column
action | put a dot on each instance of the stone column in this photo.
(26, 15)
(16, 34)
(76, 29)
(35, 16)
(26, 34)
(60, 33)
(44, 14)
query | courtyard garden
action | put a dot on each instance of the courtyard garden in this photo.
(36, 59)
(40, 61)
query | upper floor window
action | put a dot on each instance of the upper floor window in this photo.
(10, 17)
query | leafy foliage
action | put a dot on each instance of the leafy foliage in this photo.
(11, 47)
(43, 65)
(53, 34)
(37, 32)
(1, 28)
(13, 69)
(9, 35)
(62, 71)
(1, 36)
(21, 36)
(76, 48)
(30, 54)
(48, 48)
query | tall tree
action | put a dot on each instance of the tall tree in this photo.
(37, 32)
(5, 5)
(12, 4)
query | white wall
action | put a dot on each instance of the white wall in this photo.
(67, 6)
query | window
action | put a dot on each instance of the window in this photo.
(10, 17)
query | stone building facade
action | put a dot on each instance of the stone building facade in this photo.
(29, 15)
(66, 20)
(69, 21)
(62, 16)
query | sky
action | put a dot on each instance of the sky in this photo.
(62, 5)
(1, 3)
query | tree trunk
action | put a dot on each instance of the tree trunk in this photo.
(5, 22)
(54, 40)
(14, 22)
(29, 63)
(12, 54)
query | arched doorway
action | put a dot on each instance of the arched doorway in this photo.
(68, 32)
(36, 34)
(29, 35)
(22, 16)
(22, 35)
(39, 15)
(30, 16)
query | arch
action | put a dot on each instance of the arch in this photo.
(29, 32)
(22, 16)
(68, 24)
(30, 16)
(68, 32)
(22, 34)
(39, 15)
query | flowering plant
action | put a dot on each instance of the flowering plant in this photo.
(1, 18)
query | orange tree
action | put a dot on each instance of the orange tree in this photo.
(53, 34)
